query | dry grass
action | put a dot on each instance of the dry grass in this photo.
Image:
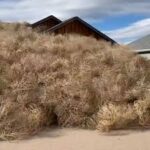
(69, 80)
(112, 116)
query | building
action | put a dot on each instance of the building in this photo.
(46, 23)
(142, 46)
(74, 25)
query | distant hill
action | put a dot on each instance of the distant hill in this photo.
(141, 44)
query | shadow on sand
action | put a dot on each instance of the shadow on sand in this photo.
(56, 132)
(123, 132)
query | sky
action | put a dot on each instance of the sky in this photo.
(122, 20)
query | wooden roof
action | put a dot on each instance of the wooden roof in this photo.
(46, 19)
(62, 24)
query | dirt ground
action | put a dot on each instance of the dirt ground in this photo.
(79, 139)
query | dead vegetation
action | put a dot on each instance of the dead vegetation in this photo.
(69, 81)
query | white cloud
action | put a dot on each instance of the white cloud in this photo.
(131, 32)
(31, 10)
(93, 10)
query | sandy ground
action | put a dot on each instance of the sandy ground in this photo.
(77, 139)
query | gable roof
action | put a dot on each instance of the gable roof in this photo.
(46, 19)
(142, 43)
(62, 24)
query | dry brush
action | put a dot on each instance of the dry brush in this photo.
(71, 81)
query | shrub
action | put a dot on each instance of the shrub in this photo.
(113, 116)
(68, 80)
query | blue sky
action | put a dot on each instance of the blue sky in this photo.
(122, 20)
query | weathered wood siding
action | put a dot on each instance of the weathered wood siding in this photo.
(46, 25)
(77, 28)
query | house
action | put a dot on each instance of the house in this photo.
(46, 23)
(73, 25)
(78, 26)
(142, 46)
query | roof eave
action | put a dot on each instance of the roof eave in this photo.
(85, 23)
(45, 19)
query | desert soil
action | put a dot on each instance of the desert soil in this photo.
(78, 139)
